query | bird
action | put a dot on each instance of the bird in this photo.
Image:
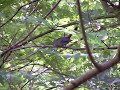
(63, 41)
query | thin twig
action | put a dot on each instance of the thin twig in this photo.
(17, 12)
(66, 47)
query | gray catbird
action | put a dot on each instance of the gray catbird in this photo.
(63, 41)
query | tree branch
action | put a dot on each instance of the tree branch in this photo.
(17, 12)
(66, 47)
(93, 72)
(105, 6)
(85, 38)
(24, 41)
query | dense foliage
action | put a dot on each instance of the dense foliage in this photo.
(35, 64)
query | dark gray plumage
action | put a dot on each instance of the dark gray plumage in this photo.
(63, 41)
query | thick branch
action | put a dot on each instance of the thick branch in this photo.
(106, 7)
(93, 72)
